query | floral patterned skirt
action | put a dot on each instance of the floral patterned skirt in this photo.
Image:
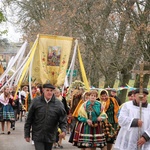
(86, 136)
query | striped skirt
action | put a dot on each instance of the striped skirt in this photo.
(7, 113)
(86, 136)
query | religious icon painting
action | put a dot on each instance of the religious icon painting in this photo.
(54, 54)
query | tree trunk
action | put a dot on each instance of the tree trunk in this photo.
(125, 80)
(110, 81)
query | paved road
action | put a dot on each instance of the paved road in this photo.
(15, 141)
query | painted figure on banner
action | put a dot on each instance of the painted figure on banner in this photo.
(53, 57)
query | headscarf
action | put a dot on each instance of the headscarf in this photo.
(106, 105)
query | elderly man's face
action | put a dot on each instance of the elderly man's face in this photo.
(137, 98)
(48, 93)
(113, 93)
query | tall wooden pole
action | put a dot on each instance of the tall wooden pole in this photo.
(141, 96)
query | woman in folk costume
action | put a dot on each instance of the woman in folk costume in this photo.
(89, 128)
(6, 113)
(110, 107)
(14, 101)
(85, 97)
(135, 130)
(76, 97)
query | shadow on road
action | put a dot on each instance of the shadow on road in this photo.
(16, 141)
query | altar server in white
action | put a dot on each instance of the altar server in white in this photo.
(129, 137)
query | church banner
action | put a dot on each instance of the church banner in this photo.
(51, 58)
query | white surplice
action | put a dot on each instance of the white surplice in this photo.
(128, 136)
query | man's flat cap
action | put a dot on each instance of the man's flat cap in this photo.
(138, 91)
(48, 85)
(113, 90)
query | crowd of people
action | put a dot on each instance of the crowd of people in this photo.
(93, 119)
